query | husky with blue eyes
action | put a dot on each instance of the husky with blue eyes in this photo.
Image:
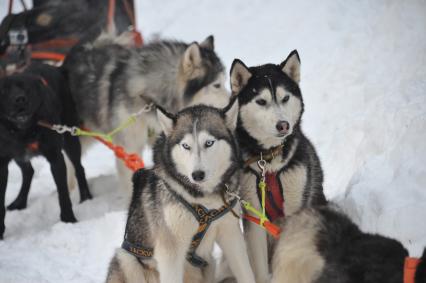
(186, 203)
(269, 129)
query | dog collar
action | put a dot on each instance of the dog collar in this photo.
(268, 156)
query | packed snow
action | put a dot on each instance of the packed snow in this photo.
(364, 86)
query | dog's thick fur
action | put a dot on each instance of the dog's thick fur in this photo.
(322, 245)
(271, 108)
(199, 138)
(38, 94)
(110, 81)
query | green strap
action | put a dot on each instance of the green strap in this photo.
(109, 136)
(249, 207)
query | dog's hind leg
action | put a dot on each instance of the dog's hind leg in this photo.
(85, 143)
(125, 268)
(27, 175)
(57, 166)
(4, 172)
(72, 148)
(296, 257)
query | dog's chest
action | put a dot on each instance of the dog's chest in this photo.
(289, 182)
(180, 222)
(184, 226)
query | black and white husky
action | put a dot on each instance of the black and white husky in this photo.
(110, 81)
(322, 245)
(269, 128)
(185, 203)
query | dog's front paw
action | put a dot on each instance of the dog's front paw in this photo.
(17, 205)
(68, 218)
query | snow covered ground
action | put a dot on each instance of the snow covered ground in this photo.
(364, 85)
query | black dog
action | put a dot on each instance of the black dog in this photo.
(38, 94)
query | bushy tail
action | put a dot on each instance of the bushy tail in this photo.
(421, 269)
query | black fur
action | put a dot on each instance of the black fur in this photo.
(305, 152)
(257, 81)
(353, 256)
(421, 269)
(38, 94)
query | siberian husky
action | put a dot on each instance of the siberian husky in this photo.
(186, 203)
(269, 129)
(322, 245)
(110, 81)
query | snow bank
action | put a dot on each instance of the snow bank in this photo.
(364, 84)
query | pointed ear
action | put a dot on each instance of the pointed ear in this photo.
(166, 120)
(291, 66)
(208, 43)
(240, 75)
(191, 58)
(231, 113)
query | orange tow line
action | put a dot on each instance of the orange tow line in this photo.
(132, 160)
(410, 267)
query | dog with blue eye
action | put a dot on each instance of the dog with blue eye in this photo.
(186, 203)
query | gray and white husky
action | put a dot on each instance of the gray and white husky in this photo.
(186, 203)
(110, 81)
(269, 128)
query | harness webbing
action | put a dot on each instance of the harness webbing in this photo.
(204, 217)
(137, 250)
(274, 199)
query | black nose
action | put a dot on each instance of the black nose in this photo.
(20, 100)
(282, 127)
(198, 175)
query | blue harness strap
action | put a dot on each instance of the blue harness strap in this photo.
(204, 217)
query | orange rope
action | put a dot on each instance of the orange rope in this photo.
(132, 160)
(273, 229)
(410, 267)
